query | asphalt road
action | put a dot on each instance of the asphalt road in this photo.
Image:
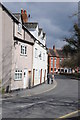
(53, 104)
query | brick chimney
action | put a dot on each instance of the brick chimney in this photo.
(24, 16)
(54, 49)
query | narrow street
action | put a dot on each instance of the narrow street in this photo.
(53, 104)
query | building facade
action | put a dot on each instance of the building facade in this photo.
(40, 56)
(55, 58)
(24, 52)
(17, 52)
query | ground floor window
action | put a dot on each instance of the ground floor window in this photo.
(51, 69)
(54, 69)
(58, 70)
(18, 74)
(62, 70)
(65, 70)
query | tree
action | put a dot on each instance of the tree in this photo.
(72, 48)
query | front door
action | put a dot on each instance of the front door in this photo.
(33, 76)
(41, 77)
(44, 75)
(25, 78)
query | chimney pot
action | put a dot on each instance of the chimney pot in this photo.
(24, 16)
(21, 11)
(25, 11)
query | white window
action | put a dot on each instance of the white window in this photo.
(55, 62)
(18, 74)
(19, 28)
(60, 60)
(36, 53)
(43, 56)
(51, 64)
(23, 50)
(40, 55)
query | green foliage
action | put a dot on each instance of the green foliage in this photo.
(3, 90)
(0, 81)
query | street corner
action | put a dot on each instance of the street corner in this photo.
(48, 87)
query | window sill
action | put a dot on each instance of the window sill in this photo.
(23, 55)
(20, 33)
(17, 79)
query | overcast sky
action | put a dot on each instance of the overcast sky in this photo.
(52, 17)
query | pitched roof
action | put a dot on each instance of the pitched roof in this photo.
(44, 35)
(52, 53)
(9, 13)
(31, 24)
(60, 53)
(40, 29)
(17, 15)
(15, 18)
(56, 53)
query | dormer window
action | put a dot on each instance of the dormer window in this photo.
(20, 28)
(42, 38)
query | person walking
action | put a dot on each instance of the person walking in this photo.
(52, 79)
(29, 80)
(48, 78)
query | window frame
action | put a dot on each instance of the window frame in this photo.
(23, 49)
(60, 60)
(41, 55)
(51, 62)
(51, 69)
(19, 28)
(55, 60)
(18, 74)
(36, 53)
(55, 69)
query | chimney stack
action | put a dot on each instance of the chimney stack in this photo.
(53, 47)
(24, 16)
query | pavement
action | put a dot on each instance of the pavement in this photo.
(45, 87)
(61, 102)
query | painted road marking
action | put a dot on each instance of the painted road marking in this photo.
(68, 115)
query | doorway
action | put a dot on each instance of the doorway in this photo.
(33, 76)
(41, 77)
(25, 78)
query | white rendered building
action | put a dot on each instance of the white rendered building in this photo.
(39, 70)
